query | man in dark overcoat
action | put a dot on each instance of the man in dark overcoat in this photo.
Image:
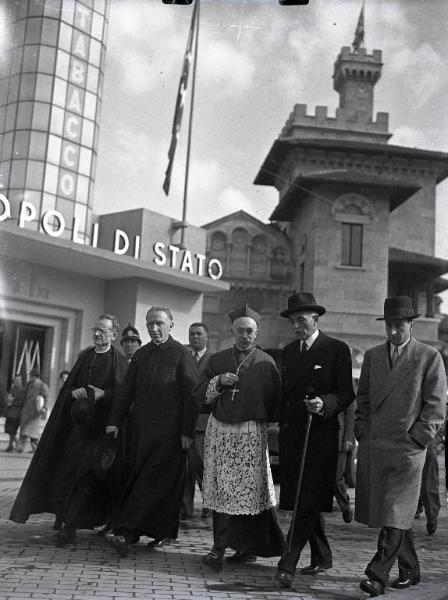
(400, 408)
(63, 478)
(317, 380)
(155, 400)
(198, 356)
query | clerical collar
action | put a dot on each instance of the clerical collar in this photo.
(160, 343)
(102, 351)
(244, 350)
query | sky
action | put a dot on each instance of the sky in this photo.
(256, 60)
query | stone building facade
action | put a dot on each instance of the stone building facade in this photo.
(357, 215)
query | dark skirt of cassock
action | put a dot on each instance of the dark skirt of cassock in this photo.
(80, 498)
(152, 498)
(260, 534)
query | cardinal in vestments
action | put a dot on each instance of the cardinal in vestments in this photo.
(243, 386)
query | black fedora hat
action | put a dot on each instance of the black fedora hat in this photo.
(398, 307)
(302, 302)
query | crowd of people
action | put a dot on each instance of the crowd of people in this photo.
(132, 432)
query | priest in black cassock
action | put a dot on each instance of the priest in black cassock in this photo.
(243, 386)
(160, 414)
(63, 477)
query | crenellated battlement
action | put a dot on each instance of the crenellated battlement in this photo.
(358, 66)
(346, 124)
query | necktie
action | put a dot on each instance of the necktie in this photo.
(395, 355)
(196, 356)
(303, 350)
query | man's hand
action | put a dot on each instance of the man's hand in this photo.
(97, 391)
(314, 405)
(112, 429)
(185, 442)
(228, 379)
(79, 393)
(348, 445)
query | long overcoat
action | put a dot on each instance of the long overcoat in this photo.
(399, 411)
(327, 369)
(30, 417)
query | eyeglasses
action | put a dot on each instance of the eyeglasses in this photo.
(102, 330)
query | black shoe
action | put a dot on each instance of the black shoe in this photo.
(315, 569)
(206, 513)
(284, 579)
(105, 531)
(214, 560)
(431, 527)
(65, 536)
(371, 587)
(10, 449)
(159, 543)
(401, 583)
(241, 557)
(347, 515)
(119, 544)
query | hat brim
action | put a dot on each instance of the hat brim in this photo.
(304, 308)
(398, 317)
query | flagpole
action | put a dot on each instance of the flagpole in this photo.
(190, 128)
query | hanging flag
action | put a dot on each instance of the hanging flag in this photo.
(359, 32)
(180, 102)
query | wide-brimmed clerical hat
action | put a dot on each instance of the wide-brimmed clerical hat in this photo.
(105, 455)
(244, 311)
(302, 302)
(130, 333)
(398, 307)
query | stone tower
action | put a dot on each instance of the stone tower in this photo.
(349, 200)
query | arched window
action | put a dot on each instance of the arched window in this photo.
(218, 241)
(279, 263)
(258, 264)
(238, 252)
(218, 246)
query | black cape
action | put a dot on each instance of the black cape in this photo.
(35, 494)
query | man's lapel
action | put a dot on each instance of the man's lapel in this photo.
(307, 363)
(392, 378)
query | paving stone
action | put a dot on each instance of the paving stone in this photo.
(31, 567)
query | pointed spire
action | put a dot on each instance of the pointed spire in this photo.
(358, 40)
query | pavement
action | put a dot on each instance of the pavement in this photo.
(32, 567)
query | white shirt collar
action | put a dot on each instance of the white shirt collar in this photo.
(311, 339)
(400, 348)
(200, 353)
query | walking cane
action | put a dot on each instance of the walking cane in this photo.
(299, 482)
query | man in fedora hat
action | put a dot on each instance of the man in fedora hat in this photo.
(62, 478)
(242, 385)
(317, 379)
(400, 408)
(130, 341)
